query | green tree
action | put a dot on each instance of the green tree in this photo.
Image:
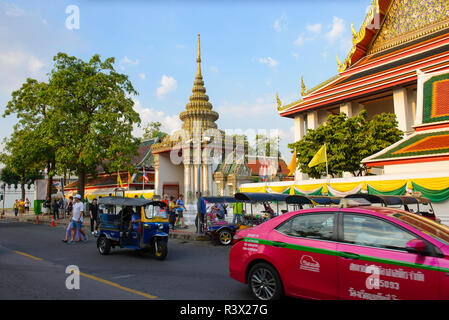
(153, 130)
(93, 114)
(348, 141)
(32, 106)
(20, 168)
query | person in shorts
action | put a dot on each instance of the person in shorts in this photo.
(77, 219)
(179, 210)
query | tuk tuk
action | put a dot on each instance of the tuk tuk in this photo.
(255, 216)
(219, 229)
(133, 223)
(418, 205)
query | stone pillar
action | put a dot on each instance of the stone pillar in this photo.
(299, 127)
(312, 120)
(402, 109)
(347, 108)
(157, 185)
(300, 131)
(189, 193)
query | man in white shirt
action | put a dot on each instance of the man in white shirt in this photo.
(77, 219)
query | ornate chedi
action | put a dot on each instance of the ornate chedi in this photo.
(198, 114)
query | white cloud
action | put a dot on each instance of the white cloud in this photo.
(127, 61)
(255, 109)
(315, 28)
(280, 23)
(142, 76)
(268, 61)
(168, 84)
(214, 69)
(337, 29)
(170, 123)
(18, 65)
(295, 55)
(11, 9)
(299, 41)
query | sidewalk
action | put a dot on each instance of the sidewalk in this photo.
(185, 234)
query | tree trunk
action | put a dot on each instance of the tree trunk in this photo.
(22, 185)
(81, 182)
(49, 181)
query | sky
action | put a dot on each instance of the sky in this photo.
(250, 50)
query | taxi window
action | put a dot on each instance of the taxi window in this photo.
(436, 231)
(313, 226)
(369, 231)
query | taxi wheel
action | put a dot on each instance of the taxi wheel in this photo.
(103, 245)
(161, 250)
(264, 282)
(225, 237)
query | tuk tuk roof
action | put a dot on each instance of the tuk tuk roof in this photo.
(220, 199)
(124, 201)
(260, 197)
(298, 199)
(386, 200)
(324, 200)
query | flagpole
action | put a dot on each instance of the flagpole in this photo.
(325, 154)
(143, 179)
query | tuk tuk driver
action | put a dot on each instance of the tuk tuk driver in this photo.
(134, 224)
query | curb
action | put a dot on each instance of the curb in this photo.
(174, 235)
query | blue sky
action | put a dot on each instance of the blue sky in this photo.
(250, 50)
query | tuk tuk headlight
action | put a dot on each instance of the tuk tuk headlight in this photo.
(160, 226)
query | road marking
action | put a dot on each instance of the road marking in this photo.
(143, 294)
(28, 255)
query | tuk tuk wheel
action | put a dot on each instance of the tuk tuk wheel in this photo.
(225, 237)
(103, 245)
(160, 250)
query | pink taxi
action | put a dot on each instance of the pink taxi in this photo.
(344, 253)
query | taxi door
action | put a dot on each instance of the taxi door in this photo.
(304, 253)
(374, 265)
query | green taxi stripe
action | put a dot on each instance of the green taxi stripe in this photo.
(337, 253)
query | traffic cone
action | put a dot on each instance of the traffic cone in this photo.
(52, 221)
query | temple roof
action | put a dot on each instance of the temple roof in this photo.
(430, 142)
(413, 35)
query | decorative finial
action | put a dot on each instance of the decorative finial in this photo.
(198, 59)
(354, 34)
(278, 101)
(303, 87)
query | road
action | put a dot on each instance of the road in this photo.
(33, 262)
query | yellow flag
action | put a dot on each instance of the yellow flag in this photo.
(319, 157)
(129, 179)
(292, 165)
(119, 180)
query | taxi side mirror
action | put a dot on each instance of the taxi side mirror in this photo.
(416, 246)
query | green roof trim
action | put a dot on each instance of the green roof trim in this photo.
(390, 154)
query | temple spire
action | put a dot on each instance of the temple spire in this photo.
(198, 59)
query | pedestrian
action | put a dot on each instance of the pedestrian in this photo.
(61, 206)
(21, 206)
(180, 210)
(201, 212)
(69, 207)
(165, 200)
(77, 219)
(237, 210)
(55, 209)
(47, 205)
(171, 208)
(69, 230)
(27, 205)
(16, 207)
(93, 212)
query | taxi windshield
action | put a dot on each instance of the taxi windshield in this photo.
(433, 229)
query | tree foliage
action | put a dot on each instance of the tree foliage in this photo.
(153, 130)
(348, 141)
(83, 115)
